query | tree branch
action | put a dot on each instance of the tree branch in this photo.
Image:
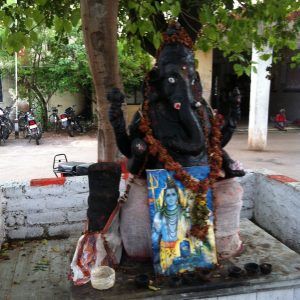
(159, 23)
(189, 17)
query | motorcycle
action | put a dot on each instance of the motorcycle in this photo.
(70, 121)
(32, 129)
(4, 131)
(54, 119)
(22, 121)
(61, 166)
(7, 120)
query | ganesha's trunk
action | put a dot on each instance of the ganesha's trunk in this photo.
(193, 142)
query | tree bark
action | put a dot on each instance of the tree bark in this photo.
(99, 21)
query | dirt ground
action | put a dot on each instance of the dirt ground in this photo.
(21, 160)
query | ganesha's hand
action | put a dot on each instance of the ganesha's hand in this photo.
(115, 114)
(229, 173)
(139, 150)
(232, 168)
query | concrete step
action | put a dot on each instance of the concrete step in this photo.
(38, 270)
(270, 129)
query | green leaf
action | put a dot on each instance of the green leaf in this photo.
(11, 2)
(156, 40)
(144, 27)
(238, 69)
(164, 6)
(7, 21)
(67, 26)
(157, 5)
(265, 56)
(132, 4)
(28, 23)
(292, 45)
(248, 71)
(75, 16)
(37, 16)
(132, 27)
(15, 41)
(41, 2)
(175, 9)
(33, 36)
(58, 24)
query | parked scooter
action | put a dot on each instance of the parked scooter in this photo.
(32, 129)
(4, 131)
(70, 121)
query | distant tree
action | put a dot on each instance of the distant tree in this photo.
(230, 26)
(133, 65)
(52, 64)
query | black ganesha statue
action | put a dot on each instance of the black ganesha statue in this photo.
(175, 120)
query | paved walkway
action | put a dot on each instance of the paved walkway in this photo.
(282, 154)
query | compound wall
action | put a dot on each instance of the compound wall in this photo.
(57, 207)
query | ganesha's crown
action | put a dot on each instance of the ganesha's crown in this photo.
(175, 33)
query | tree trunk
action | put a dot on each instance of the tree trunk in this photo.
(99, 20)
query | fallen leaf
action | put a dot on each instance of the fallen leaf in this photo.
(55, 249)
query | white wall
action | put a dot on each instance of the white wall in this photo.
(67, 99)
(44, 211)
(277, 209)
(7, 83)
(60, 210)
(205, 63)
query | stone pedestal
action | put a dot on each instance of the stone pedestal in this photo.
(228, 195)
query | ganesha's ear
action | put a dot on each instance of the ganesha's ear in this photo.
(153, 75)
(151, 84)
(199, 81)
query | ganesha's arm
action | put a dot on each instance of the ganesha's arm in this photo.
(116, 118)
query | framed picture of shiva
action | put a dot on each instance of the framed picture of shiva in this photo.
(171, 205)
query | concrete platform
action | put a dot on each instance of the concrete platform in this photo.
(38, 270)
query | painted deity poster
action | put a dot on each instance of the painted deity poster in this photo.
(170, 204)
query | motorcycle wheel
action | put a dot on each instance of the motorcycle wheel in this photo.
(25, 133)
(55, 127)
(78, 127)
(5, 133)
(1, 136)
(9, 126)
(70, 130)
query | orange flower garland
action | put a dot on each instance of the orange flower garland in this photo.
(200, 211)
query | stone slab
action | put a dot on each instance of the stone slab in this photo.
(259, 247)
